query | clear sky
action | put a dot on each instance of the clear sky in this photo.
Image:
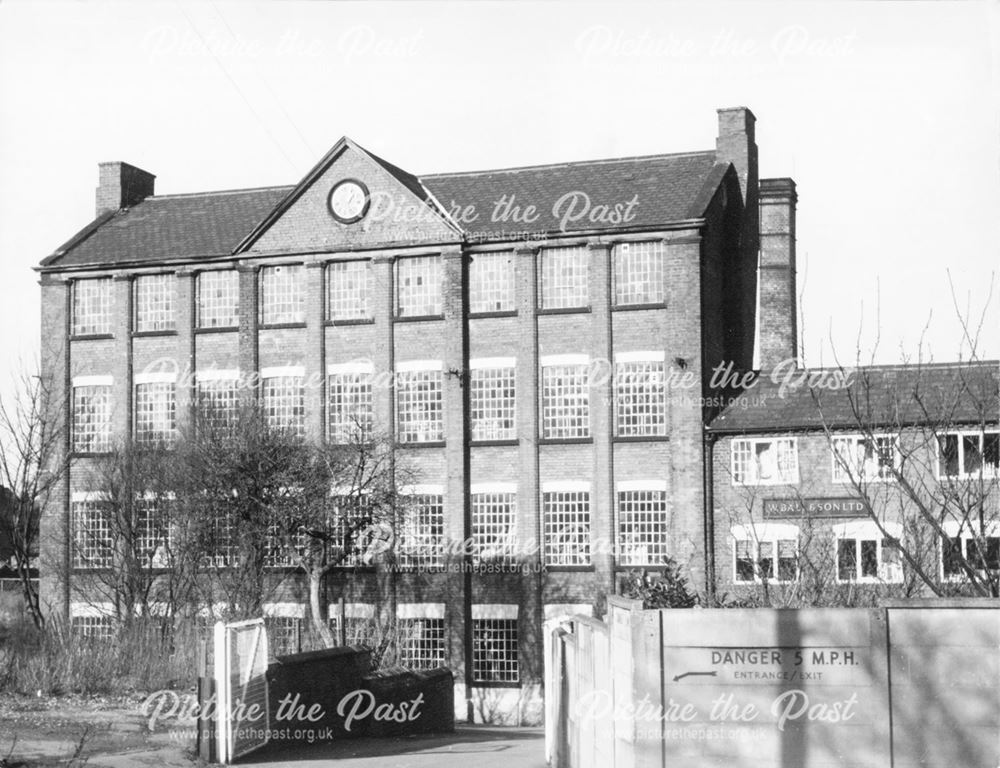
(885, 114)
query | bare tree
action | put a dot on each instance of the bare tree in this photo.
(32, 462)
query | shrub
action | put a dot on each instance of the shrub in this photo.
(664, 588)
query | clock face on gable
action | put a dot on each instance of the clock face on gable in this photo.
(349, 200)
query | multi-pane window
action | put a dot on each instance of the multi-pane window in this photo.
(640, 395)
(491, 282)
(643, 516)
(638, 273)
(152, 531)
(218, 398)
(351, 528)
(154, 302)
(564, 278)
(282, 551)
(283, 634)
(865, 554)
(93, 542)
(284, 400)
(768, 552)
(219, 299)
(418, 286)
(419, 403)
(421, 539)
(493, 511)
(360, 625)
(155, 411)
(765, 461)
(348, 286)
(967, 454)
(349, 407)
(91, 414)
(282, 299)
(421, 642)
(566, 524)
(861, 458)
(93, 627)
(494, 650)
(492, 397)
(223, 548)
(961, 548)
(92, 300)
(565, 398)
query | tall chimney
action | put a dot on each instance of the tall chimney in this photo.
(121, 185)
(778, 315)
(736, 144)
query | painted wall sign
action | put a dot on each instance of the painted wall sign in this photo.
(825, 507)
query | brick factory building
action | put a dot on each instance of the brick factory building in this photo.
(493, 298)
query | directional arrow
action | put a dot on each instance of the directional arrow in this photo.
(692, 674)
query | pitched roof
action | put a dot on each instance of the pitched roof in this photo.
(887, 396)
(666, 189)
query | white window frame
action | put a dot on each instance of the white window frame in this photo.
(961, 435)
(422, 528)
(288, 394)
(491, 282)
(98, 418)
(156, 425)
(419, 392)
(218, 393)
(350, 405)
(282, 294)
(565, 395)
(93, 306)
(626, 260)
(218, 298)
(422, 616)
(494, 529)
(85, 507)
(564, 277)
(419, 286)
(772, 535)
(752, 465)
(558, 552)
(492, 644)
(653, 523)
(493, 417)
(867, 530)
(631, 390)
(155, 302)
(956, 529)
(869, 468)
(348, 290)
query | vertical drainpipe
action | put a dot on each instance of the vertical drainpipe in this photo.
(466, 495)
(709, 519)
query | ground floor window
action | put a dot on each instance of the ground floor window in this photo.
(765, 552)
(494, 650)
(866, 553)
(421, 633)
(284, 633)
(962, 549)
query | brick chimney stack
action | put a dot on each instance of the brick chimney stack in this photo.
(736, 144)
(778, 311)
(121, 185)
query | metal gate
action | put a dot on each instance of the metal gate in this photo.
(243, 718)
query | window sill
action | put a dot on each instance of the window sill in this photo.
(495, 313)
(152, 334)
(568, 568)
(493, 443)
(350, 321)
(630, 307)
(564, 311)
(641, 439)
(91, 336)
(218, 329)
(495, 684)
(279, 326)
(565, 440)
(425, 444)
(416, 318)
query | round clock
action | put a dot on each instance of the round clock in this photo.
(349, 201)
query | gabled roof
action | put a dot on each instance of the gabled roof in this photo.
(889, 396)
(667, 189)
